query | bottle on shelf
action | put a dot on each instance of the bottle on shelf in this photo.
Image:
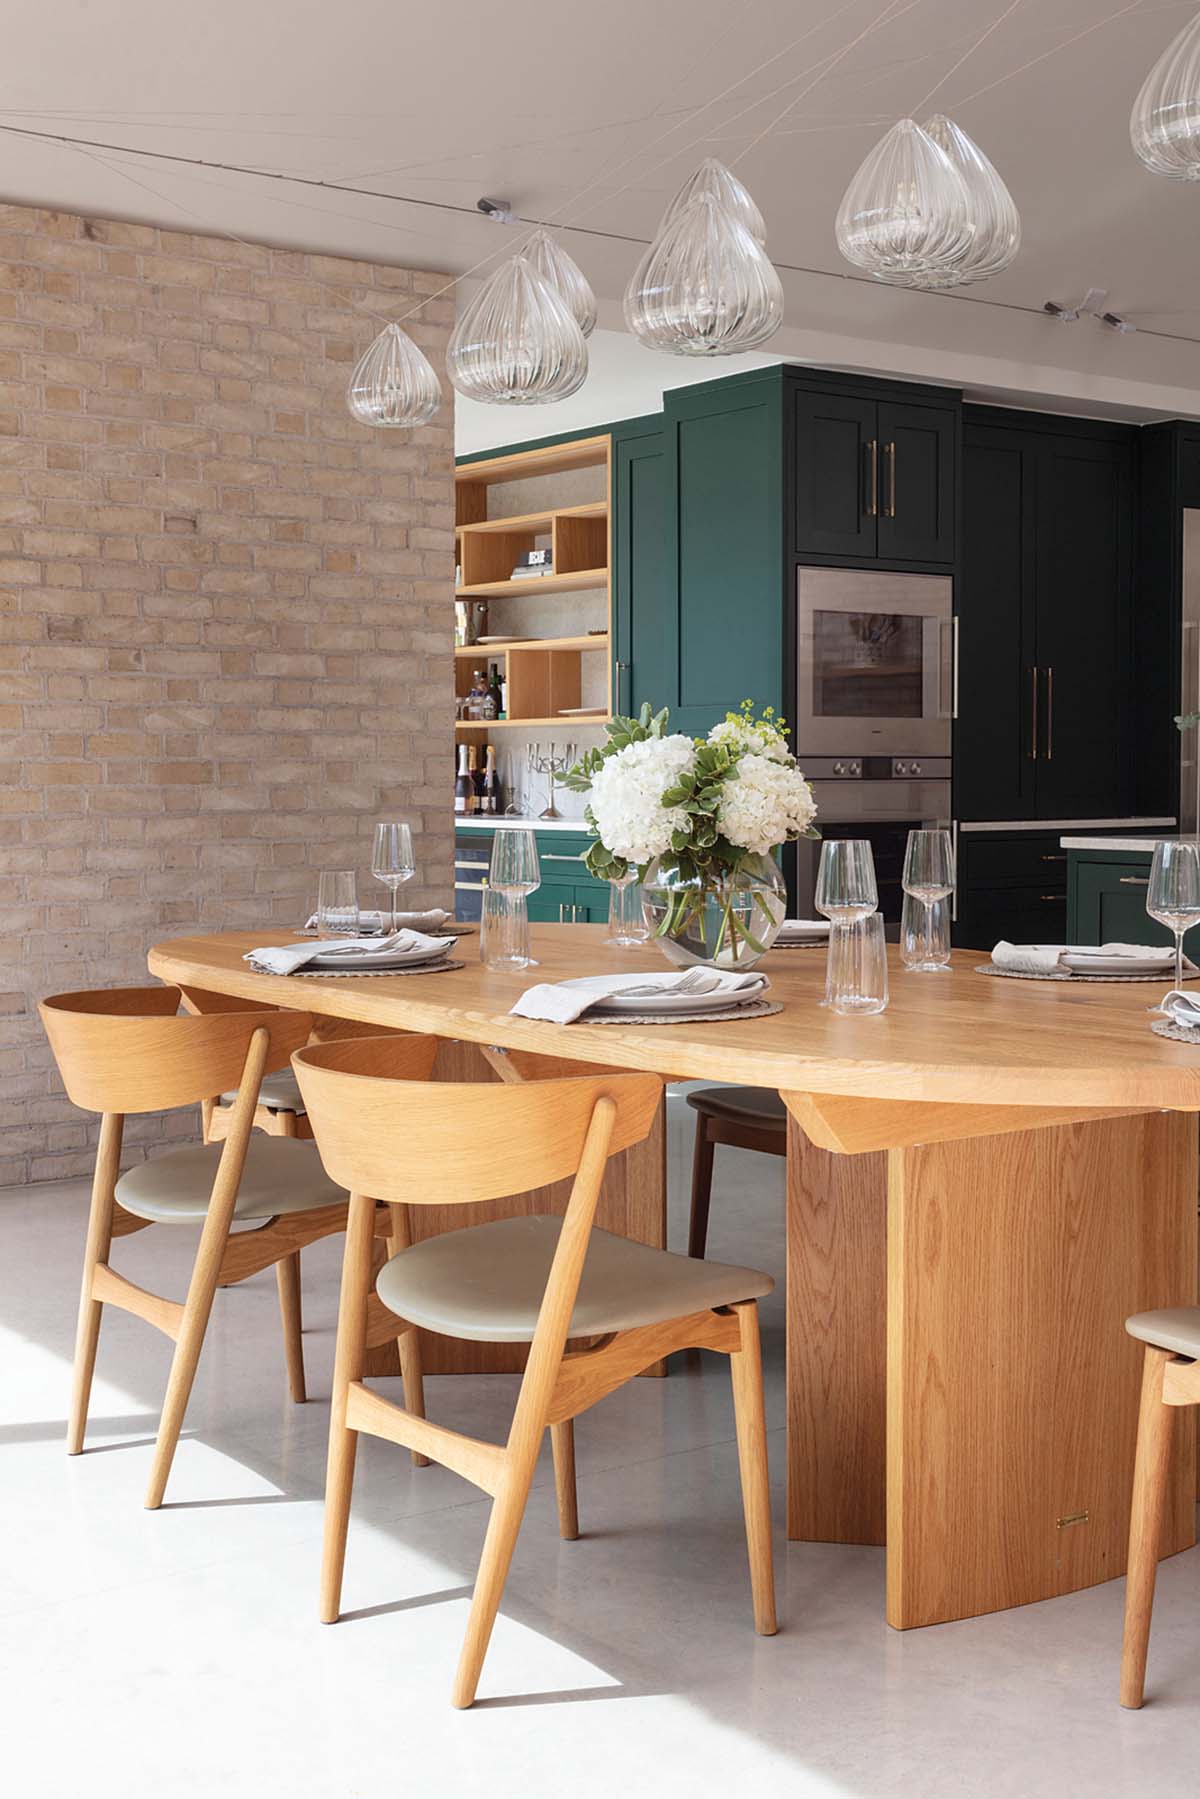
(495, 695)
(464, 786)
(476, 774)
(491, 785)
(503, 712)
(477, 696)
(490, 704)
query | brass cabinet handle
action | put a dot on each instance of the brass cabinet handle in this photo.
(1033, 711)
(562, 906)
(889, 451)
(872, 450)
(549, 856)
(1052, 899)
(1049, 715)
(1134, 880)
(1053, 858)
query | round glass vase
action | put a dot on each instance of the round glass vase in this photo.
(721, 918)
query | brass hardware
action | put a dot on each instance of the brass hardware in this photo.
(1134, 880)
(1033, 710)
(1049, 715)
(550, 856)
(1051, 899)
(872, 449)
(889, 451)
(562, 906)
(1074, 1518)
(1052, 858)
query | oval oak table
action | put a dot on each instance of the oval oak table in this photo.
(983, 1181)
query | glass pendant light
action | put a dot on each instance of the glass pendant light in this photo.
(518, 343)
(705, 287)
(712, 177)
(1164, 126)
(394, 383)
(564, 275)
(906, 211)
(994, 220)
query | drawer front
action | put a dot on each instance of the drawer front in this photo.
(1021, 914)
(1014, 861)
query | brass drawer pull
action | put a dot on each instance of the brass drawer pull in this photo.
(1052, 899)
(1135, 880)
(549, 856)
(1053, 858)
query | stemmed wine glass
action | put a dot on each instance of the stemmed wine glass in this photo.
(392, 859)
(929, 877)
(1174, 893)
(514, 873)
(846, 893)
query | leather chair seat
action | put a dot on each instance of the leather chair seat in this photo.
(760, 1106)
(279, 1092)
(485, 1283)
(1176, 1328)
(281, 1175)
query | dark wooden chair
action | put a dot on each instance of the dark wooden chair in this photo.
(743, 1117)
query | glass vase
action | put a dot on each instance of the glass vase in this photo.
(723, 917)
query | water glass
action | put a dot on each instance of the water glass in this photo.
(392, 859)
(337, 903)
(925, 935)
(627, 927)
(504, 931)
(846, 889)
(856, 974)
(1173, 897)
(514, 867)
(928, 880)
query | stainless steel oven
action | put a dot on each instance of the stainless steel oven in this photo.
(881, 798)
(875, 664)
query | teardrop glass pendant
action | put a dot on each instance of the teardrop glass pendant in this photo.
(1164, 126)
(993, 217)
(705, 287)
(712, 177)
(393, 383)
(905, 213)
(517, 343)
(564, 275)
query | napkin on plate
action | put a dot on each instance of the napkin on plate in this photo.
(1180, 1008)
(802, 930)
(1047, 958)
(436, 919)
(403, 946)
(559, 1003)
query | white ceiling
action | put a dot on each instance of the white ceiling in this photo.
(591, 115)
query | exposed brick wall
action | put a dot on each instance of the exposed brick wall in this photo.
(225, 635)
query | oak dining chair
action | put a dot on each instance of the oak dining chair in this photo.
(125, 1051)
(1170, 1379)
(534, 1280)
(744, 1118)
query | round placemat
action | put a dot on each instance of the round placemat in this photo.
(1163, 1027)
(754, 1008)
(808, 943)
(1112, 980)
(370, 974)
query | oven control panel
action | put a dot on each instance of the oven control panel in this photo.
(876, 768)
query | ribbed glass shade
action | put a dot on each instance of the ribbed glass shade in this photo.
(564, 275)
(517, 343)
(712, 177)
(394, 383)
(1164, 126)
(994, 220)
(705, 287)
(905, 213)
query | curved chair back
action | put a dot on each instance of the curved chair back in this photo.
(384, 1129)
(124, 1049)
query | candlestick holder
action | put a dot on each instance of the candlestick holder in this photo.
(551, 763)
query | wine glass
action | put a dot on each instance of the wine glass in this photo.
(928, 877)
(1174, 894)
(846, 889)
(392, 860)
(515, 873)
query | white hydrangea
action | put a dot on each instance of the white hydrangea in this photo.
(741, 738)
(767, 803)
(626, 797)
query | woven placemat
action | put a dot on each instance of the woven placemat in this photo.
(458, 930)
(370, 974)
(809, 943)
(754, 1008)
(1163, 1027)
(1113, 980)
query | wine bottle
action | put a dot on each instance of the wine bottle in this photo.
(476, 774)
(491, 784)
(464, 786)
(495, 699)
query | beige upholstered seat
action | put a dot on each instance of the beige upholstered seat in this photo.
(278, 1093)
(1176, 1328)
(748, 1105)
(280, 1175)
(486, 1283)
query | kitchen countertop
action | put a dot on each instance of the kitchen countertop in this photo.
(522, 824)
(1146, 845)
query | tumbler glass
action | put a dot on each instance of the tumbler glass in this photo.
(925, 935)
(337, 903)
(504, 931)
(856, 974)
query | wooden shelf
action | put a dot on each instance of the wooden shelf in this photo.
(568, 583)
(482, 651)
(536, 521)
(585, 452)
(463, 725)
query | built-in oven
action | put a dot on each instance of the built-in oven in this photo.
(875, 663)
(881, 798)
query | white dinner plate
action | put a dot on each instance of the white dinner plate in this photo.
(662, 1002)
(386, 958)
(1081, 963)
(799, 929)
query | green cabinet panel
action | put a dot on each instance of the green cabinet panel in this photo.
(835, 458)
(1106, 892)
(918, 452)
(645, 620)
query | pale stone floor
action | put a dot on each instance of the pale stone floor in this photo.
(155, 1655)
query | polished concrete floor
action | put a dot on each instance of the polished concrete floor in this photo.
(177, 1653)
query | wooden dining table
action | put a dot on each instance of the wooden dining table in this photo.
(983, 1182)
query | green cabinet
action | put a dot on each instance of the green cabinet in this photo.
(1106, 900)
(568, 893)
(873, 478)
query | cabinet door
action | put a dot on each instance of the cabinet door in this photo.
(916, 483)
(591, 903)
(1083, 636)
(1021, 914)
(545, 904)
(837, 469)
(644, 601)
(994, 770)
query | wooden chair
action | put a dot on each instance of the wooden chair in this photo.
(745, 1118)
(1170, 1378)
(125, 1051)
(280, 1109)
(534, 1280)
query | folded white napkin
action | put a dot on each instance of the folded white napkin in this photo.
(404, 946)
(802, 928)
(1180, 1008)
(560, 1003)
(435, 919)
(1047, 958)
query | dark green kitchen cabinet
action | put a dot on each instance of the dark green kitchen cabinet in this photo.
(644, 609)
(873, 478)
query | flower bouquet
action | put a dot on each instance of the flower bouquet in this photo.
(698, 820)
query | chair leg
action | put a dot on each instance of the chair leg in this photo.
(504, 1525)
(1156, 1423)
(99, 1242)
(409, 1343)
(562, 1439)
(287, 1277)
(745, 1366)
(347, 1367)
(702, 1173)
(197, 1309)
